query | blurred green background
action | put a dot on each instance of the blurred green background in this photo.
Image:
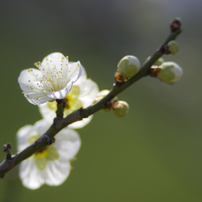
(151, 155)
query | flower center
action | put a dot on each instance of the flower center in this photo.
(72, 101)
(54, 75)
(44, 155)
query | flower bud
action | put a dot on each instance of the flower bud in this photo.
(158, 62)
(170, 72)
(128, 66)
(101, 95)
(175, 24)
(121, 108)
(173, 47)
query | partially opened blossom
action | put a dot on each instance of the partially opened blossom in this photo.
(50, 165)
(52, 80)
(82, 94)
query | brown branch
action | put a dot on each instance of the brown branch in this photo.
(59, 123)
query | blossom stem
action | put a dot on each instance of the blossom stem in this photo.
(60, 123)
(60, 108)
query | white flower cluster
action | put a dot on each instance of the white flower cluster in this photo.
(55, 78)
(82, 94)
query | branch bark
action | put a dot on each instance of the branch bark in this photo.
(59, 123)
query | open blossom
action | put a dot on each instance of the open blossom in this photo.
(50, 165)
(52, 80)
(82, 94)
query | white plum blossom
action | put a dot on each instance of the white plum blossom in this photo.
(52, 80)
(50, 165)
(82, 94)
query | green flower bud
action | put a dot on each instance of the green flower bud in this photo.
(121, 109)
(158, 62)
(170, 72)
(173, 47)
(128, 66)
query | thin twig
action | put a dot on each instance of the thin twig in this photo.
(59, 123)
